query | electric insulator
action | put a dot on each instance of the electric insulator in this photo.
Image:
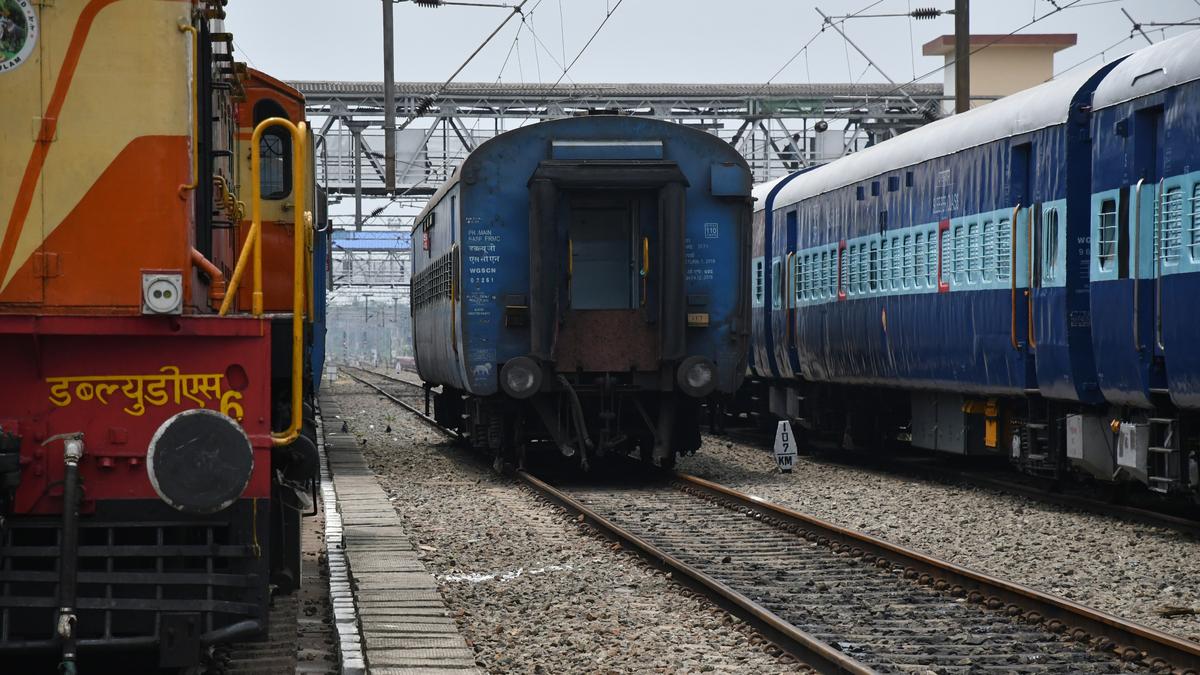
(427, 3)
(922, 13)
(424, 106)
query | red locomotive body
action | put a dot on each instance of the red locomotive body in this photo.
(156, 449)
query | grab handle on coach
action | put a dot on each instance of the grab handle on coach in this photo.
(303, 221)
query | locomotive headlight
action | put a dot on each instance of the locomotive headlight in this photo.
(697, 376)
(521, 377)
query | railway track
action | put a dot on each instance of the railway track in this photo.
(847, 602)
(923, 468)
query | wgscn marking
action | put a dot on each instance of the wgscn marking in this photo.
(18, 33)
(168, 386)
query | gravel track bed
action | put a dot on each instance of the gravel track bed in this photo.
(1132, 570)
(532, 590)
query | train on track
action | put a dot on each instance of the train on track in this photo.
(160, 341)
(583, 283)
(1018, 280)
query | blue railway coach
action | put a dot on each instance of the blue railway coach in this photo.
(1014, 280)
(584, 282)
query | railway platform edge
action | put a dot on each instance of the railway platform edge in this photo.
(391, 617)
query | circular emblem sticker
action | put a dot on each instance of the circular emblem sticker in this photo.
(18, 33)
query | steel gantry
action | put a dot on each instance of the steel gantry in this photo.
(778, 128)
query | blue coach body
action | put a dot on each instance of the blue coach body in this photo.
(1012, 280)
(602, 249)
(1145, 234)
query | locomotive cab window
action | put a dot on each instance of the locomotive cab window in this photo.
(275, 153)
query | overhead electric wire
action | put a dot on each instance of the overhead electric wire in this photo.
(417, 113)
(980, 48)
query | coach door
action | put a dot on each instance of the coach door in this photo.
(609, 238)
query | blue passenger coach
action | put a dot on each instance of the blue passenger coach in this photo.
(583, 282)
(1018, 280)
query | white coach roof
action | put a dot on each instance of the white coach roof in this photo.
(1152, 69)
(1036, 108)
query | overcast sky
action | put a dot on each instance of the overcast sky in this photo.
(658, 40)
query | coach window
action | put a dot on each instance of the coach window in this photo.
(910, 262)
(1171, 225)
(918, 260)
(275, 152)
(897, 263)
(1107, 233)
(960, 255)
(1003, 250)
(1194, 225)
(1050, 245)
(873, 268)
(974, 254)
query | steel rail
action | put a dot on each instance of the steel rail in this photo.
(1124, 639)
(403, 404)
(806, 647)
(972, 477)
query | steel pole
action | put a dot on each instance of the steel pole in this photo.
(962, 55)
(389, 97)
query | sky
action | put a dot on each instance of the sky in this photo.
(745, 41)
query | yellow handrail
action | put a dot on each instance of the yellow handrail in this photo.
(303, 219)
(189, 28)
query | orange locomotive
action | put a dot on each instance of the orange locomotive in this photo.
(161, 329)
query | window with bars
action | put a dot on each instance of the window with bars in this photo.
(1170, 226)
(873, 267)
(759, 282)
(919, 260)
(1194, 225)
(435, 281)
(990, 265)
(808, 277)
(852, 263)
(862, 269)
(843, 270)
(897, 266)
(910, 262)
(885, 265)
(1106, 231)
(974, 254)
(797, 279)
(831, 289)
(1049, 245)
(1004, 250)
(959, 255)
(931, 243)
(823, 284)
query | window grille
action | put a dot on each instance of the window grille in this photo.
(931, 243)
(1194, 225)
(919, 255)
(910, 262)
(758, 282)
(1107, 232)
(974, 254)
(990, 263)
(1004, 250)
(1171, 225)
(960, 255)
